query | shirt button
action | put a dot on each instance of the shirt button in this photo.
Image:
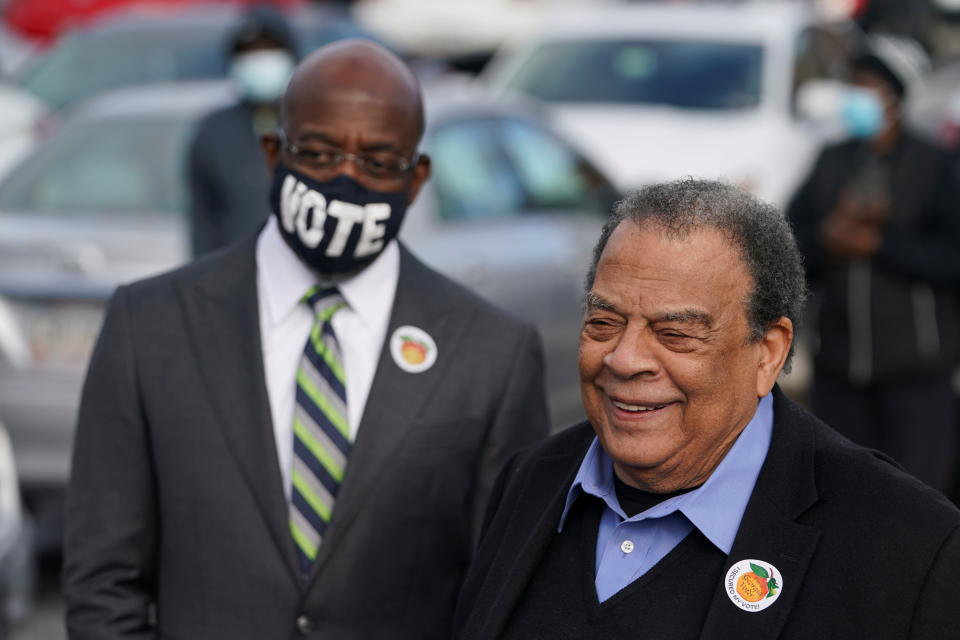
(304, 625)
(626, 546)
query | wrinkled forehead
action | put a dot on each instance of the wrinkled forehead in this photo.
(680, 237)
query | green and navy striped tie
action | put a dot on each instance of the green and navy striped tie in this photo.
(321, 434)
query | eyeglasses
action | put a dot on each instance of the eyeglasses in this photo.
(379, 165)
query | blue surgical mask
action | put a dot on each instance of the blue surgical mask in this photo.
(336, 226)
(261, 76)
(862, 112)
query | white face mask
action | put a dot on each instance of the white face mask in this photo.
(262, 76)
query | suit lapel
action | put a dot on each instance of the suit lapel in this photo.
(769, 531)
(529, 533)
(221, 309)
(396, 397)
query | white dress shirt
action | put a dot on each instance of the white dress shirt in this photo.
(285, 324)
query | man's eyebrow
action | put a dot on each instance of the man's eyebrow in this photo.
(318, 136)
(593, 301)
(687, 316)
(322, 137)
(381, 146)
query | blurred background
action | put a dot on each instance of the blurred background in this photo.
(540, 114)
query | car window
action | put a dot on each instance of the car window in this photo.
(471, 172)
(86, 64)
(505, 166)
(127, 167)
(554, 176)
(679, 73)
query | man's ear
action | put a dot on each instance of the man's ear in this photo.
(270, 144)
(420, 174)
(774, 347)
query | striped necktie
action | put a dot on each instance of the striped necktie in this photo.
(321, 434)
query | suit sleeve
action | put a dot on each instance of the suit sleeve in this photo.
(937, 614)
(520, 421)
(110, 541)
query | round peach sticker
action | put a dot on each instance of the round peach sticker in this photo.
(413, 349)
(753, 585)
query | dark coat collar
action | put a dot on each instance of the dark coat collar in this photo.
(785, 489)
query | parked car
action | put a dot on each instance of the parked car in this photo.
(150, 44)
(94, 205)
(458, 30)
(512, 210)
(144, 44)
(659, 91)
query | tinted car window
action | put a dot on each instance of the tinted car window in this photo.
(498, 167)
(472, 175)
(686, 74)
(128, 167)
(554, 176)
(86, 64)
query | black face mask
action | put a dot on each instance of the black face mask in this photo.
(337, 226)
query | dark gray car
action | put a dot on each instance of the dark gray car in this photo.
(512, 210)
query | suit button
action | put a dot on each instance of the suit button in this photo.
(304, 625)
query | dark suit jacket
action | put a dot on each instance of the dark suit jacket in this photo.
(176, 500)
(865, 550)
(228, 179)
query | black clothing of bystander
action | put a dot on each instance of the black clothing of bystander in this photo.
(893, 315)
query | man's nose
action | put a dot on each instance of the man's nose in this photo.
(350, 166)
(633, 355)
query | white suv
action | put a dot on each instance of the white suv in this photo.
(655, 92)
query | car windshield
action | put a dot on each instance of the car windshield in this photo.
(131, 167)
(678, 73)
(85, 64)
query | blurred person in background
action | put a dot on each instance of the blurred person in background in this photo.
(879, 228)
(228, 179)
(296, 436)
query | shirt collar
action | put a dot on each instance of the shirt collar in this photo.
(716, 507)
(284, 278)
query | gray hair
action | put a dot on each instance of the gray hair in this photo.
(759, 230)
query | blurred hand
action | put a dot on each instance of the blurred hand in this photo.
(849, 238)
(854, 229)
(862, 208)
(874, 211)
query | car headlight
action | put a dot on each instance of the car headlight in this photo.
(48, 331)
(13, 344)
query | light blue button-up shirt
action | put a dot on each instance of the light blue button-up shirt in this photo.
(628, 547)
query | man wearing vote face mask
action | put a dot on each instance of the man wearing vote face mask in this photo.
(297, 436)
(228, 181)
(877, 222)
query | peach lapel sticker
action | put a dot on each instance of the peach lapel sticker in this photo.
(753, 585)
(413, 349)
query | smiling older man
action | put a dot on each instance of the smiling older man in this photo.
(698, 501)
